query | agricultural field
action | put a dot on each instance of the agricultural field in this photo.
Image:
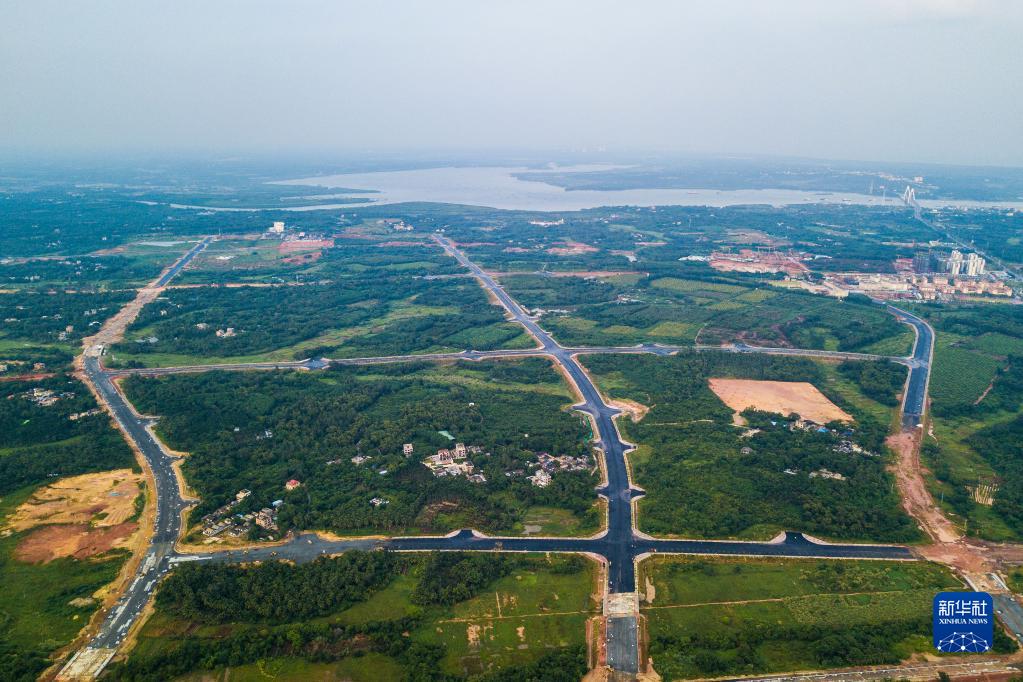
(258, 430)
(458, 615)
(708, 617)
(706, 476)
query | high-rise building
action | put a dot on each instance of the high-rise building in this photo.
(954, 264)
(277, 227)
(970, 265)
(974, 265)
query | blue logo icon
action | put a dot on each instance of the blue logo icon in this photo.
(964, 622)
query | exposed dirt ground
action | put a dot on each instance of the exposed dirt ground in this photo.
(783, 397)
(949, 546)
(102, 500)
(113, 329)
(79, 541)
(636, 411)
(297, 245)
(79, 516)
(571, 248)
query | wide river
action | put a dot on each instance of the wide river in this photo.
(498, 187)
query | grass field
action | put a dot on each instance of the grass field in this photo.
(959, 376)
(708, 617)
(43, 606)
(712, 308)
(514, 621)
(969, 397)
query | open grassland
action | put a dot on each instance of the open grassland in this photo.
(43, 605)
(704, 307)
(977, 418)
(529, 611)
(710, 617)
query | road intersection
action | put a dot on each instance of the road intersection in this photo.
(619, 547)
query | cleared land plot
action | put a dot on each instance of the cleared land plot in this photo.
(81, 517)
(782, 397)
(44, 605)
(711, 617)
(102, 499)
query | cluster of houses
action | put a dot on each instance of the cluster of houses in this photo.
(44, 397)
(546, 464)
(820, 473)
(453, 462)
(224, 523)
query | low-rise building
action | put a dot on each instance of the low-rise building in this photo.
(541, 479)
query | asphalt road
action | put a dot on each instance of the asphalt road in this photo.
(183, 261)
(619, 546)
(914, 402)
(168, 513)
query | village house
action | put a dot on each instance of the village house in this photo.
(292, 484)
(541, 479)
(406, 449)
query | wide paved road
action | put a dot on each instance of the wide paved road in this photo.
(619, 546)
(914, 402)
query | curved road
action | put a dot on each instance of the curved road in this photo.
(619, 546)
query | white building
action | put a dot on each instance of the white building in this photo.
(541, 479)
(277, 227)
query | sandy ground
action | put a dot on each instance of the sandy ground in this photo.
(113, 329)
(949, 547)
(79, 516)
(916, 499)
(783, 397)
(636, 411)
(304, 245)
(571, 248)
(79, 499)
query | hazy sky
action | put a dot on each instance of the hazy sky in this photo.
(914, 80)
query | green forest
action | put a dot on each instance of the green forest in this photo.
(689, 303)
(319, 422)
(213, 616)
(705, 477)
(352, 317)
(41, 442)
